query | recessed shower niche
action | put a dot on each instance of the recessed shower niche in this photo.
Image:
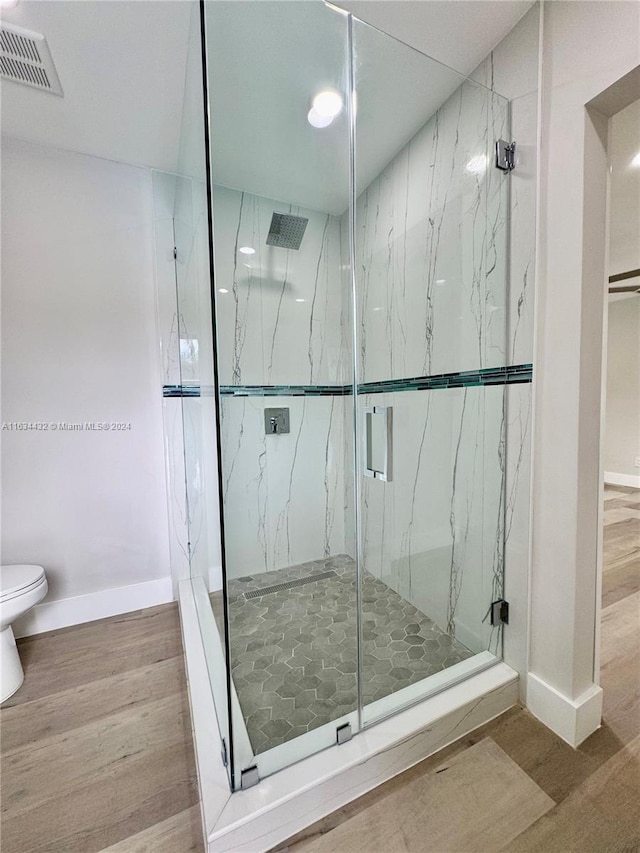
(341, 402)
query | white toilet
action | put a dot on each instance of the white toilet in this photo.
(21, 588)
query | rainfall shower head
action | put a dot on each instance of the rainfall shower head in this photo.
(286, 231)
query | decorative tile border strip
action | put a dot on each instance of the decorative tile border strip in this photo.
(511, 375)
(284, 390)
(180, 390)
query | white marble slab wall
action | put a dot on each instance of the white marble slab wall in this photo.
(279, 323)
(279, 319)
(431, 247)
(512, 69)
(431, 257)
(430, 533)
(283, 494)
(164, 189)
(186, 338)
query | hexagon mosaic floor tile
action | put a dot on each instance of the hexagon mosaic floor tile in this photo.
(293, 650)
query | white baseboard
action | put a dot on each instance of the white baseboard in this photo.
(571, 719)
(51, 615)
(612, 479)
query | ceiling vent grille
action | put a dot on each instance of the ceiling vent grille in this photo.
(25, 58)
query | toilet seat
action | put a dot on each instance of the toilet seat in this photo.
(18, 580)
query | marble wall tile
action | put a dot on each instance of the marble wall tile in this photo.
(279, 319)
(517, 520)
(283, 494)
(431, 247)
(512, 69)
(186, 340)
(432, 533)
(432, 283)
(164, 188)
(176, 495)
(524, 120)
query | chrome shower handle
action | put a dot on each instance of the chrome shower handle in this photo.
(378, 443)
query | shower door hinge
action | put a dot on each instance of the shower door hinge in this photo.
(249, 777)
(175, 254)
(223, 752)
(505, 155)
(500, 612)
(343, 733)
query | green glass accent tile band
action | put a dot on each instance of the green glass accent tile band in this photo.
(284, 390)
(511, 375)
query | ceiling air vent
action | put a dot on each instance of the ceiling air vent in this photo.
(25, 58)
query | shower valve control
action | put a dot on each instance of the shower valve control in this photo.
(276, 421)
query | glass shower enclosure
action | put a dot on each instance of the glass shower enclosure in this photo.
(341, 286)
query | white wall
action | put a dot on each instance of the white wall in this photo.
(622, 428)
(587, 48)
(79, 344)
(624, 214)
(622, 407)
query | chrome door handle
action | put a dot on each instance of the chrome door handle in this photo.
(378, 443)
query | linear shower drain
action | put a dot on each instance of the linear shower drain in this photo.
(279, 587)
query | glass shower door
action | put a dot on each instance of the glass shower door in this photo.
(430, 229)
(277, 74)
(359, 245)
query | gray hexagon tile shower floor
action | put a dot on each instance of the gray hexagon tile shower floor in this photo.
(293, 651)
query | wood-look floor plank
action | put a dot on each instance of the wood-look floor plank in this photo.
(612, 493)
(54, 766)
(130, 798)
(621, 513)
(126, 628)
(381, 792)
(621, 580)
(181, 833)
(552, 764)
(97, 743)
(612, 563)
(51, 666)
(30, 721)
(616, 503)
(602, 814)
(620, 667)
(620, 633)
(474, 802)
(622, 490)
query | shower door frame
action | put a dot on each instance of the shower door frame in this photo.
(283, 757)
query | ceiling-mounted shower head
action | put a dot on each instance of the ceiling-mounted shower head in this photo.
(286, 231)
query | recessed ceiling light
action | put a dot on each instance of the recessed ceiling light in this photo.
(222, 290)
(316, 120)
(327, 103)
(325, 107)
(247, 250)
(441, 281)
(301, 300)
(636, 161)
(477, 165)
